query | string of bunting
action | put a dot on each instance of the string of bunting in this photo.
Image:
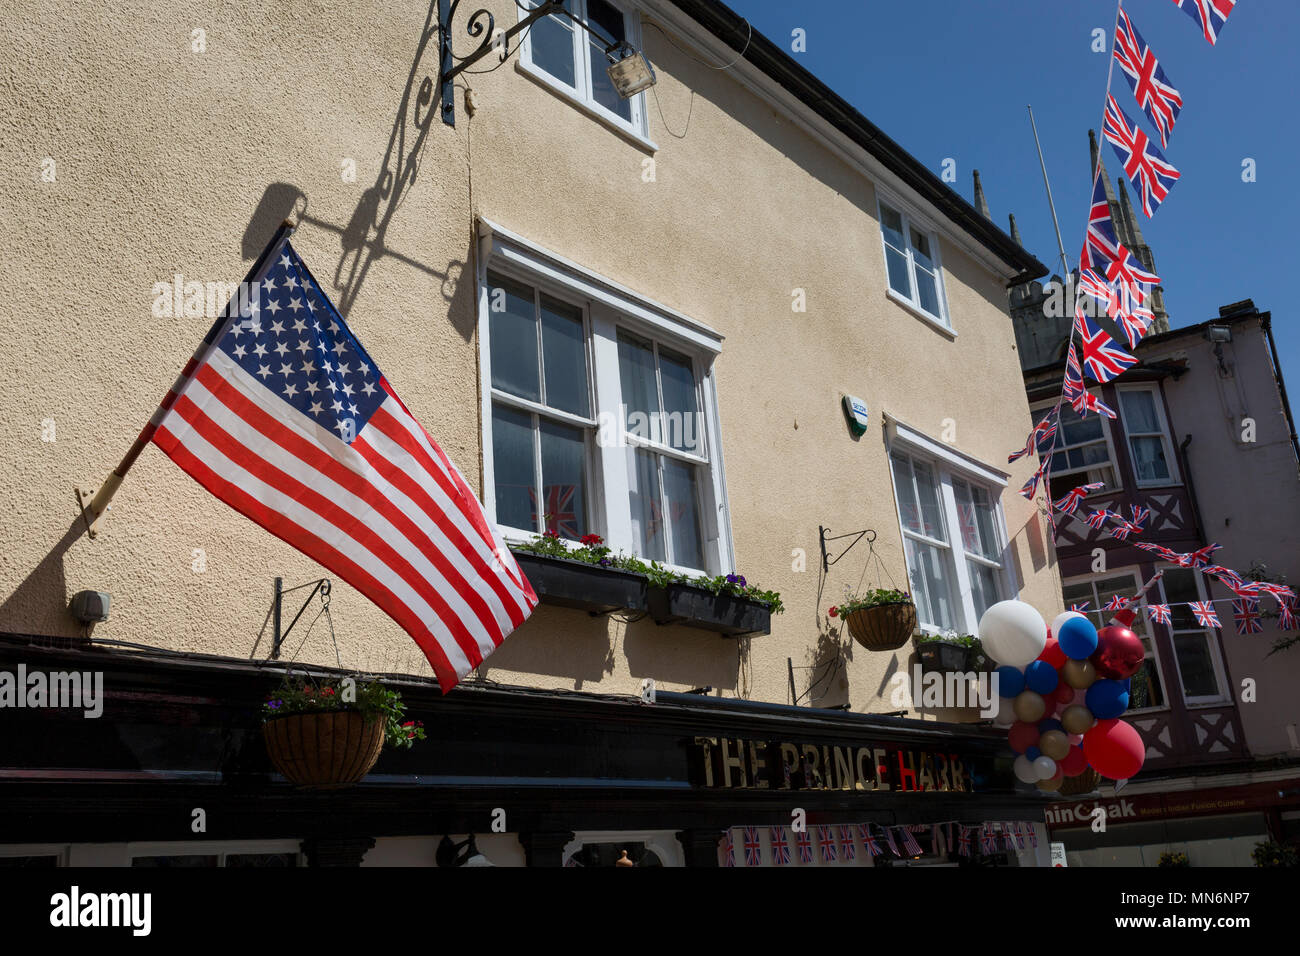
(833, 842)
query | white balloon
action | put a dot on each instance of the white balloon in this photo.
(1006, 715)
(1045, 767)
(1062, 618)
(1024, 770)
(1013, 633)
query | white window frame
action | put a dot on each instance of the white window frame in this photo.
(946, 463)
(1211, 637)
(219, 849)
(1107, 433)
(912, 302)
(1136, 577)
(609, 307)
(638, 127)
(1157, 400)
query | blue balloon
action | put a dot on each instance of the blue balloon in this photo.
(1041, 677)
(1107, 699)
(1078, 638)
(1011, 682)
(1050, 724)
(1033, 753)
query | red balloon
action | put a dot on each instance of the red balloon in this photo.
(1114, 749)
(1119, 653)
(1022, 736)
(1075, 762)
(1052, 653)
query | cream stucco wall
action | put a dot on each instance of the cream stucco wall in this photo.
(170, 161)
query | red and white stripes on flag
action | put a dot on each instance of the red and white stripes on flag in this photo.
(378, 504)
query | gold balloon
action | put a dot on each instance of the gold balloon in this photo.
(1055, 744)
(1052, 783)
(1077, 719)
(1079, 674)
(1029, 707)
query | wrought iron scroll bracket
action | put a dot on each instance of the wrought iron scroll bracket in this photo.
(857, 536)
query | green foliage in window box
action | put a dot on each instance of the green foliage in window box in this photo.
(371, 699)
(974, 649)
(872, 598)
(1271, 854)
(1176, 860)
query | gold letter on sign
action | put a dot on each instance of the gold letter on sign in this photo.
(707, 744)
(737, 761)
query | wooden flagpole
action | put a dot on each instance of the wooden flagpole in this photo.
(94, 502)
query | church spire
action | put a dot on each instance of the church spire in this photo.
(981, 203)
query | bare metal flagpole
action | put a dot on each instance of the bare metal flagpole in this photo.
(1065, 265)
(95, 502)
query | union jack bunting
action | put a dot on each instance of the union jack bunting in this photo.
(1073, 384)
(780, 846)
(1159, 549)
(963, 841)
(1069, 503)
(1100, 245)
(728, 849)
(1158, 613)
(1145, 166)
(803, 840)
(1123, 530)
(909, 841)
(826, 843)
(868, 840)
(1151, 88)
(1043, 431)
(1139, 516)
(848, 846)
(889, 841)
(1198, 558)
(1085, 402)
(1286, 614)
(1020, 836)
(1098, 519)
(1031, 486)
(1245, 613)
(1135, 323)
(1033, 835)
(1102, 359)
(988, 842)
(1095, 286)
(1279, 591)
(753, 848)
(1210, 15)
(1247, 589)
(1116, 603)
(1081, 608)
(1205, 616)
(1226, 575)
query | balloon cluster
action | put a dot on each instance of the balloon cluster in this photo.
(1063, 690)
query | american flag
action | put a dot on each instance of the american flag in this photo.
(285, 417)
(1158, 613)
(753, 848)
(803, 839)
(1070, 502)
(1245, 613)
(1145, 166)
(1205, 616)
(826, 843)
(868, 840)
(780, 846)
(728, 849)
(1210, 15)
(1102, 358)
(1152, 89)
(889, 841)
(848, 847)
(557, 510)
(909, 841)
(1041, 433)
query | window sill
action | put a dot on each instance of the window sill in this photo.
(919, 313)
(565, 93)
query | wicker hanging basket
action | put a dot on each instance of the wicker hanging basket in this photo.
(1085, 782)
(324, 751)
(883, 627)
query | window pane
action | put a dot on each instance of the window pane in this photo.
(921, 251)
(681, 424)
(552, 46)
(891, 224)
(927, 291)
(512, 330)
(564, 481)
(897, 265)
(1145, 689)
(602, 88)
(564, 357)
(1140, 411)
(1149, 458)
(927, 490)
(976, 516)
(512, 467)
(1180, 587)
(636, 372)
(643, 489)
(908, 512)
(983, 587)
(1072, 594)
(1195, 666)
(683, 513)
(928, 570)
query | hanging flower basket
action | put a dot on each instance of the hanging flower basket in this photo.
(883, 627)
(326, 750)
(1085, 782)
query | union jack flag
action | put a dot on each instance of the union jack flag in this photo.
(1069, 503)
(1139, 516)
(1085, 402)
(868, 840)
(963, 841)
(1095, 286)
(1100, 244)
(1245, 613)
(780, 846)
(1033, 835)
(1031, 486)
(728, 848)
(1123, 530)
(753, 848)
(1008, 837)
(1198, 558)
(1279, 591)
(889, 841)
(1081, 608)
(1210, 15)
(559, 514)
(1247, 589)
(1226, 575)
(848, 847)
(826, 842)
(1073, 384)
(909, 842)
(988, 842)
(1135, 323)
(1286, 614)
(1116, 603)
(1205, 616)
(803, 840)
(1159, 549)
(1158, 613)
(1098, 519)
(1145, 166)
(1020, 836)
(1043, 431)
(1152, 89)
(1102, 358)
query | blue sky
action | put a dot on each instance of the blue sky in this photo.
(952, 78)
